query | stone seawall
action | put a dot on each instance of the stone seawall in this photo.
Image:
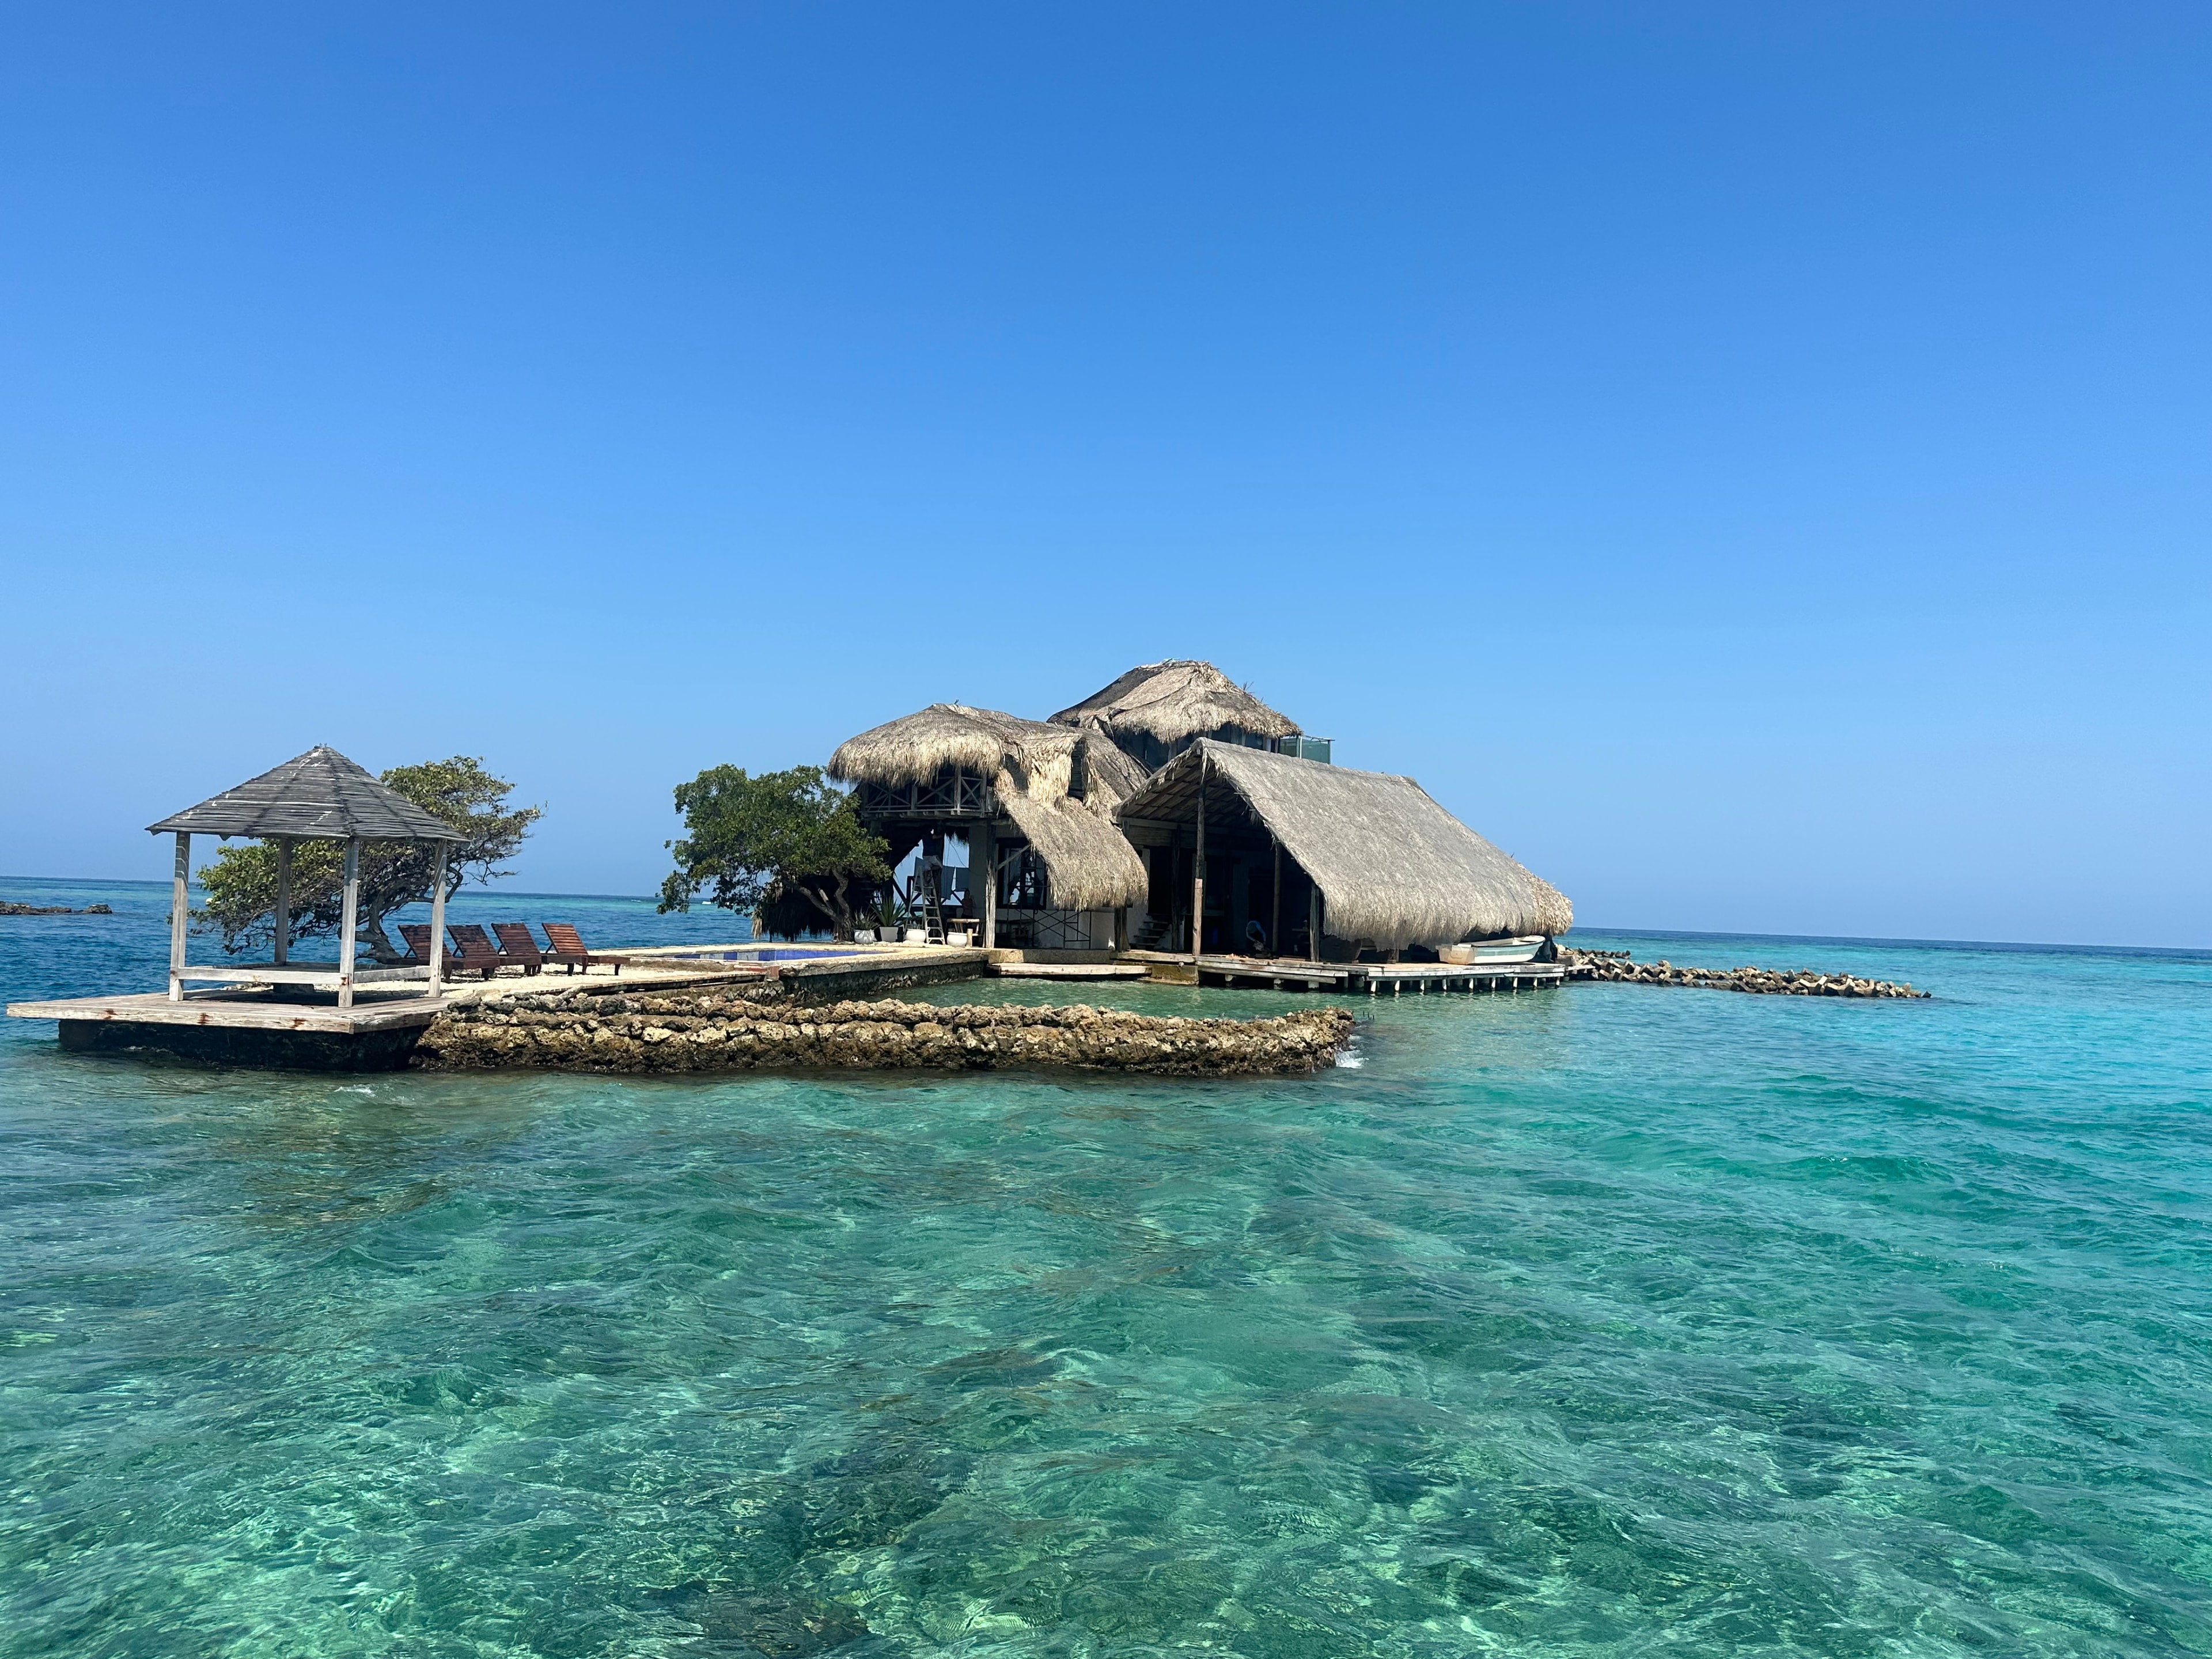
(1616, 965)
(733, 1031)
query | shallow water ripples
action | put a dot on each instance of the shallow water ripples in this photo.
(1591, 1322)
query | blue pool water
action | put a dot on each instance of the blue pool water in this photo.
(1605, 1321)
(766, 954)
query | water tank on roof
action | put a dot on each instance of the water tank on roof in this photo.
(1312, 748)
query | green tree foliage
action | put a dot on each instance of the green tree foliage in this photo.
(241, 882)
(748, 840)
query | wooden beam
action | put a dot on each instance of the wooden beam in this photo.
(1198, 866)
(180, 904)
(437, 919)
(350, 920)
(284, 897)
(983, 866)
(1275, 922)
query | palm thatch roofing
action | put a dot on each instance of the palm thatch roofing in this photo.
(1174, 702)
(1555, 911)
(915, 748)
(1111, 775)
(318, 796)
(1089, 863)
(1394, 867)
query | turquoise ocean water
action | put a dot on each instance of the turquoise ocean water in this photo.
(1607, 1321)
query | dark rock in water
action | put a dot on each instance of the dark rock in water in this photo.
(866, 1498)
(10, 908)
(765, 1622)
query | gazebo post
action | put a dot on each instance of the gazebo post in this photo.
(180, 899)
(437, 919)
(350, 920)
(283, 898)
(1313, 925)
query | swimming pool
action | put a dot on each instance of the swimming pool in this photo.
(764, 954)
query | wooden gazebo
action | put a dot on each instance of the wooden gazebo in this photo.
(318, 796)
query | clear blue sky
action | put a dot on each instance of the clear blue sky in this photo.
(1749, 460)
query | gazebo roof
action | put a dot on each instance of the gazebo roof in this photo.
(321, 795)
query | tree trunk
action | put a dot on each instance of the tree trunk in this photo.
(372, 935)
(840, 917)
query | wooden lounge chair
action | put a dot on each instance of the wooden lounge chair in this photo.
(485, 961)
(479, 954)
(417, 939)
(516, 940)
(568, 948)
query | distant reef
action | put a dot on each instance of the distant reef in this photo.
(1617, 965)
(9, 908)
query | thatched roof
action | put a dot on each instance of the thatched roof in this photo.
(1394, 867)
(1555, 911)
(1174, 702)
(1112, 776)
(1089, 863)
(318, 796)
(916, 747)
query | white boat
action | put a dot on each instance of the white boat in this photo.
(1485, 952)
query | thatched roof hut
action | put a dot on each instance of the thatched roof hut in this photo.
(1394, 868)
(1155, 711)
(977, 764)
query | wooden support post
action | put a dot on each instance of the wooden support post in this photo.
(984, 865)
(180, 904)
(443, 853)
(1198, 864)
(283, 942)
(348, 921)
(1313, 923)
(1275, 921)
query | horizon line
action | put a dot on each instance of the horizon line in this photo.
(1580, 926)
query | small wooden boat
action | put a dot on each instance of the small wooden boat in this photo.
(1486, 952)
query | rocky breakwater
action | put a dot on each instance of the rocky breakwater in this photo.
(1764, 981)
(694, 1032)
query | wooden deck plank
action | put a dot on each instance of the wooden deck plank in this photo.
(1074, 971)
(256, 1013)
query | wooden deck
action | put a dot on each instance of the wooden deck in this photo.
(1071, 970)
(1267, 973)
(1394, 978)
(245, 1010)
(298, 1022)
(1375, 978)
